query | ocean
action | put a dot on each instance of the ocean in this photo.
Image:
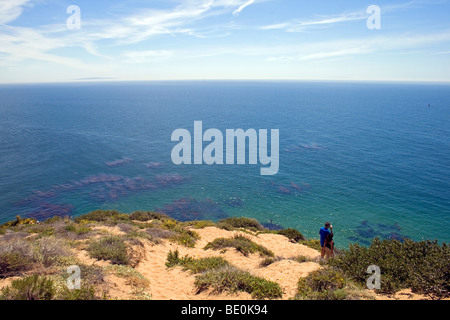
(371, 158)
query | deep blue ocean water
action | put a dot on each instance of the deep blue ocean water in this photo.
(373, 159)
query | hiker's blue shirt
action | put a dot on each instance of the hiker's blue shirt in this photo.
(323, 234)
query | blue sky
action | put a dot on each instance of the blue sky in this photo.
(224, 39)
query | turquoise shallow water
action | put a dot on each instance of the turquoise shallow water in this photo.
(373, 159)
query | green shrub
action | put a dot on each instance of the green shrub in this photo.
(16, 256)
(12, 263)
(205, 264)
(132, 277)
(269, 260)
(37, 287)
(78, 229)
(312, 243)
(111, 216)
(231, 279)
(157, 233)
(173, 259)
(70, 228)
(91, 281)
(242, 222)
(51, 251)
(140, 235)
(41, 229)
(322, 284)
(111, 248)
(181, 235)
(57, 219)
(19, 221)
(241, 243)
(301, 259)
(199, 224)
(33, 287)
(186, 238)
(195, 265)
(292, 234)
(171, 224)
(84, 293)
(423, 266)
(147, 215)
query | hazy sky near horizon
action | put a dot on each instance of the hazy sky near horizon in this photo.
(224, 39)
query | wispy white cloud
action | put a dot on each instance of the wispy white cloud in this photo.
(10, 10)
(362, 46)
(300, 25)
(336, 53)
(181, 19)
(308, 51)
(140, 36)
(19, 43)
(296, 25)
(146, 56)
(242, 7)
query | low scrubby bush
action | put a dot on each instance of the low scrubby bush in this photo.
(268, 261)
(157, 233)
(174, 259)
(16, 256)
(231, 279)
(181, 234)
(19, 221)
(292, 234)
(78, 229)
(312, 243)
(110, 216)
(242, 222)
(132, 277)
(195, 265)
(199, 224)
(34, 287)
(84, 293)
(301, 259)
(51, 251)
(147, 215)
(240, 243)
(110, 248)
(422, 266)
(322, 284)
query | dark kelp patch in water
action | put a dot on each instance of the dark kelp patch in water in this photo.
(101, 188)
(272, 226)
(189, 209)
(366, 232)
(45, 210)
(118, 162)
(291, 188)
(234, 202)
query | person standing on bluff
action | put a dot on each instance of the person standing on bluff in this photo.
(324, 232)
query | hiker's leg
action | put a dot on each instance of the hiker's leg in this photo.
(327, 253)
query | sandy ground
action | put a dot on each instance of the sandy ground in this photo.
(174, 283)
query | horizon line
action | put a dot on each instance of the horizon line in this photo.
(99, 80)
